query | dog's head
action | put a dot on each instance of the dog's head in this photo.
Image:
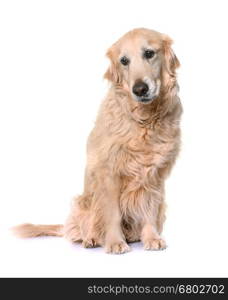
(143, 63)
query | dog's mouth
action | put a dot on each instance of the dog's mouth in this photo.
(146, 100)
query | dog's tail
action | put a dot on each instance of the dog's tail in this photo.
(31, 230)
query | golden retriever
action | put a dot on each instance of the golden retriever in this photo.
(130, 151)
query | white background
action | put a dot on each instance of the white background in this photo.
(52, 59)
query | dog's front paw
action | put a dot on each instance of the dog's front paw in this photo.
(154, 244)
(89, 243)
(117, 247)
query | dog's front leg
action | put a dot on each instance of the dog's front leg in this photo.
(114, 241)
(150, 230)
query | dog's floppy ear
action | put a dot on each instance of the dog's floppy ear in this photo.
(170, 64)
(113, 72)
(171, 61)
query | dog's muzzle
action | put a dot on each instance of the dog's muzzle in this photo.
(146, 90)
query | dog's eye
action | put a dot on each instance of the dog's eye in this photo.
(148, 53)
(124, 61)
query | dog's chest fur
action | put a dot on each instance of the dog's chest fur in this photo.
(143, 153)
(140, 151)
(131, 149)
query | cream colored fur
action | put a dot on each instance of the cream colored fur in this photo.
(130, 152)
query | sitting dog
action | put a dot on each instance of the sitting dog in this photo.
(130, 151)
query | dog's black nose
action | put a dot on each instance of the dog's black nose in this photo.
(140, 88)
